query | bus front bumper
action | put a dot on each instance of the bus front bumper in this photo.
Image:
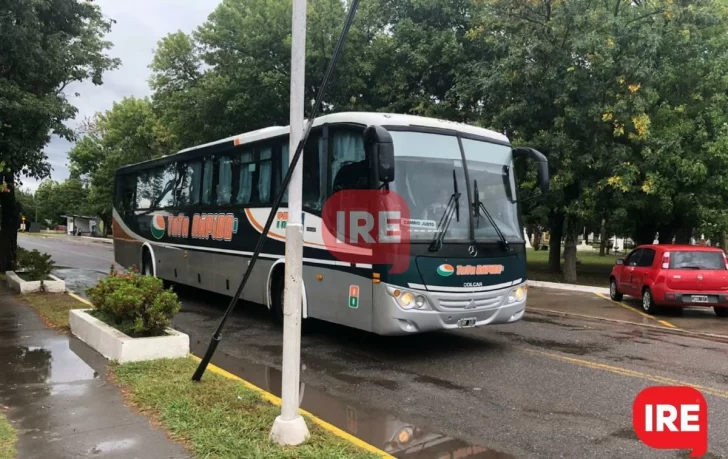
(445, 310)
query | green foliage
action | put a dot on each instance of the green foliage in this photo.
(135, 304)
(35, 265)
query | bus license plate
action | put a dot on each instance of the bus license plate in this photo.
(700, 299)
(466, 323)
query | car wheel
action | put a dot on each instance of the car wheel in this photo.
(720, 312)
(648, 303)
(613, 291)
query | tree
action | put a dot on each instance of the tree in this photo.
(561, 76)
(46, 46)
(128, 133)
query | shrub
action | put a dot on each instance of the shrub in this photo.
(134, 304)
(36, 266)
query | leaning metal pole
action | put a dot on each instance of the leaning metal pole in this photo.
(217, 335)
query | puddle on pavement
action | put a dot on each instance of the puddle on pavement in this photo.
(382, 430)
(78, 280)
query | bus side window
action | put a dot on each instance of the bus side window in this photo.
(349, 167)
(225, 180)
(164, 197)
(312, 165)
(283, 168)
(264, 175)
(125, 201)
(188, 188)
(208, 173)
(144, 190)
(245, 178)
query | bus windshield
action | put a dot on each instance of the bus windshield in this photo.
(424, 179)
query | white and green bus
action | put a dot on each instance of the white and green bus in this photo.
(194, 218)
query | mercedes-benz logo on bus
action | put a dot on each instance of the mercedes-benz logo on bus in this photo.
(472, 250)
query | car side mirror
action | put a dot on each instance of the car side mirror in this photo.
(619, 261)
(379, 141)
(542, 165)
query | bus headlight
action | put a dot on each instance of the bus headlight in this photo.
(420, 301)
(517, 295)
(407, 300)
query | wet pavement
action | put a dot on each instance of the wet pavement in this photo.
(80, 262)
(58, 399)
(694, 319)
(544, 387)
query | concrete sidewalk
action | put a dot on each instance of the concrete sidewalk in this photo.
(59, 400)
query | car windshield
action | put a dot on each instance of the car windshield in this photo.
(697, 260)
(426, 164)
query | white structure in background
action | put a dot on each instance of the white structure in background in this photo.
(528, 241)
(80, 225)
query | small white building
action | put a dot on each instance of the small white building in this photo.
(78, 225)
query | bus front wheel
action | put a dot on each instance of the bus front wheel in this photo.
(276, 307)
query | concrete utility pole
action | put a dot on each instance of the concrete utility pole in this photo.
(289, 428)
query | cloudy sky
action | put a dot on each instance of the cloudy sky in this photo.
(139, 26)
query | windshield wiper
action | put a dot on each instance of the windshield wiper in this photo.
(453, 207)
(477, 207)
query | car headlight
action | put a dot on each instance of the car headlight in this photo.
(407, 300)
(517, 295)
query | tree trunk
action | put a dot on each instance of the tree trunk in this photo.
(683, 235)
(9, 220)
(556, 223)
(667, 233)
(603, 238)
(570, 258)
(645, 234)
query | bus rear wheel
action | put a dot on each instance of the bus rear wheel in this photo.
(147, 266)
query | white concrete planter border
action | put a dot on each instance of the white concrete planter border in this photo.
(115, 345)
(55, 285)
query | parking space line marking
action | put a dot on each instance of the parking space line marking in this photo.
(630, 308)
(629, 373)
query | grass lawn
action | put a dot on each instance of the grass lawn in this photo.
(593, 269)
(218, 417)
(53, 307)
(7, 439)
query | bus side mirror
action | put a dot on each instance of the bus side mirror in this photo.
(542, 165)
(379, 142)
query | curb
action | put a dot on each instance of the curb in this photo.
(674, 331)
(277, 401)
(569, 287)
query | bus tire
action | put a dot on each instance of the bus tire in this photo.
(276, 306)
(276, 296)
(147, 264)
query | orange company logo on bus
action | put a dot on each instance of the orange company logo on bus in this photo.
(218, 227)
(479, 270)
(178, 226)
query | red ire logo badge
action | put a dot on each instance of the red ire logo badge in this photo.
(365, 226)
(672, 417)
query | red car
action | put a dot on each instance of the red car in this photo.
(673, 275)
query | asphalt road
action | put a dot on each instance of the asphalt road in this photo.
(544, 387)
(80, 262)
